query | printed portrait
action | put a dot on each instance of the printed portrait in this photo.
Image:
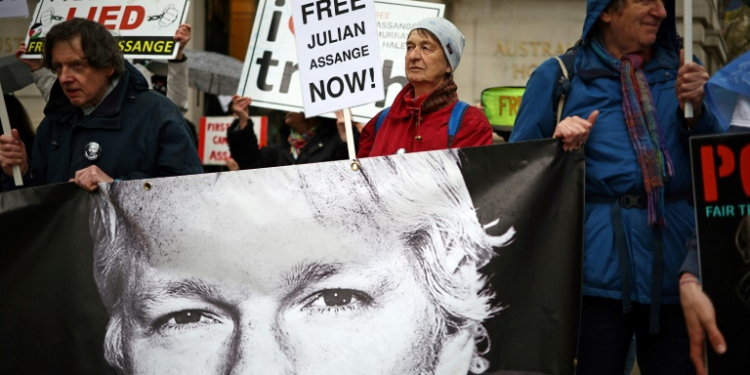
(315, 269)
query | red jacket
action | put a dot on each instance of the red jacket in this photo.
(399, 130)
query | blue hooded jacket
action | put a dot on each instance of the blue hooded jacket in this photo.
(612, 168)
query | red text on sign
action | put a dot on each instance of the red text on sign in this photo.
(132, 16)
(727, 166)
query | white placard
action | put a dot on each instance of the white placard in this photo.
(213, 148)
(146, 27)
(13, 8)
(270, 74)
(339, 55)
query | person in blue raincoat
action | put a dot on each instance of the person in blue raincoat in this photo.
(625, 108)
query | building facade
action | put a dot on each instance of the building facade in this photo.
(506, 39)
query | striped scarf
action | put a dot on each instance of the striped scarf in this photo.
(297, 141)
(643, 126)
(443, 95)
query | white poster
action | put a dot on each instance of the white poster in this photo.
(337, 46)
(13, 8)
(213, 148)
(270, 75)
(146, 27)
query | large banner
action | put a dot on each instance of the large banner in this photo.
(271, 73)
(443, 262)
(721, 176)
(146, 27)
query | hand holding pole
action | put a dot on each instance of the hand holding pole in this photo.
(17, 178)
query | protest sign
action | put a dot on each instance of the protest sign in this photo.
(721, 178)
(339, 55)
(213, 148)
(270, 74)
(501, 106)
(415, 264)
(145, 28)
(13, 8)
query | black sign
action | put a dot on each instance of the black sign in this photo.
(721, 176)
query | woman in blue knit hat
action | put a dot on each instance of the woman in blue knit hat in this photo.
(419, 118)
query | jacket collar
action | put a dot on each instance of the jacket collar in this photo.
(131, 82)
(442, 96)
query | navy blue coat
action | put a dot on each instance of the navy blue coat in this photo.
(141, 133)
(612, 168)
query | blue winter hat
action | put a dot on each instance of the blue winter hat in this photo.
(448, 35)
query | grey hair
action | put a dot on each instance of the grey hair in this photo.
(447, 244)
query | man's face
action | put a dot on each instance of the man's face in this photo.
(425, 60)
(250, 293)
(634, 28)
(83, 85)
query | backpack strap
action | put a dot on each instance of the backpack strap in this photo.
(457, 117)
(381, 119)
(454, 123)
(562, 86)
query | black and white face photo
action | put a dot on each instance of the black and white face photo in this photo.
(315, 269)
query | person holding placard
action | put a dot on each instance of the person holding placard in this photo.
(101, 122)
(177, 73)
(625, 109)
(419, 119)
(19, 122)
(311, 140)
(700, 316)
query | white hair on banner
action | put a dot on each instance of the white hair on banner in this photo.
(415, 207)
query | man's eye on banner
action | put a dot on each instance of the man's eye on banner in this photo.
(167, 17)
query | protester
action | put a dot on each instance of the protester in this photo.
(19, 120)
(275, 272)
(341, 127)
(418, 119)
(99, 99)
(177, 73)
(311, 140)
(627, 97)
(699, 312)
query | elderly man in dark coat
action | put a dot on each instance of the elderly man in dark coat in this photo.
(101, 122)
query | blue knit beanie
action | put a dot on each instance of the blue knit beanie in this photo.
(450, 38)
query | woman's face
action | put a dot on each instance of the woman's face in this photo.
(297, 121)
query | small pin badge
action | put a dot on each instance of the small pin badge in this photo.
(450, 49)
(93, 151)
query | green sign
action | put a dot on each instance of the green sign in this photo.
(501, 105)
